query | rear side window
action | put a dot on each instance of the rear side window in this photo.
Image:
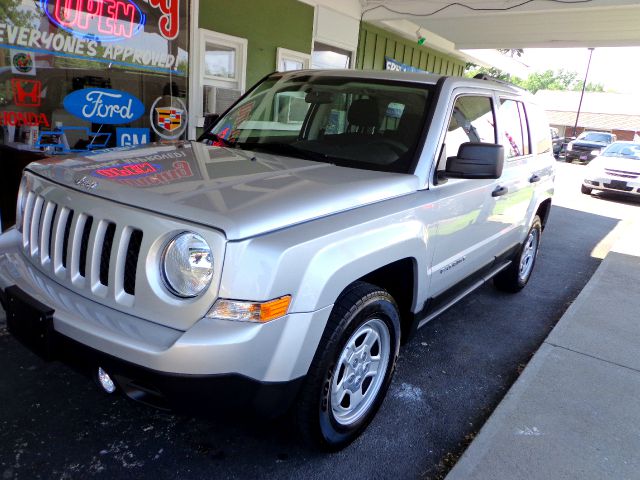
(539, 127)
(472, 120)
(515, 129)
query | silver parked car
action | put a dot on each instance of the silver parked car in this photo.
(617, 169)
(276, 264)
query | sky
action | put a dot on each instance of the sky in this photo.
(618, 69)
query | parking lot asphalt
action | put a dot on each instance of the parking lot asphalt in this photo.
(56, 424)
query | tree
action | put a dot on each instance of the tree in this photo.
(547, 80)
(512, 52)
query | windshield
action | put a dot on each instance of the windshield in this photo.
(623, 150)
(595, 137)
(369, 124)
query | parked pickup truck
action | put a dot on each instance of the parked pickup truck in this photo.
(277, 263)
(588, 146)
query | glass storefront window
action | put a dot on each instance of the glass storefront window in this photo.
(78, 76)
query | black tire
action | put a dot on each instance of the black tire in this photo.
(361, 307)
(586, 190)
(517, 275)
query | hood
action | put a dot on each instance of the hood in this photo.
(589, 144)
(239, 192)
(617, 163)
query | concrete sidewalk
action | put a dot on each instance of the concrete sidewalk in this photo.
(574, 413)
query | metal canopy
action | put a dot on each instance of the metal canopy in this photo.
(514, 24)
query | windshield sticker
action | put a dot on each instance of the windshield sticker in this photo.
(26, 93)
(22, 63)
(104, 106)
(168, 117)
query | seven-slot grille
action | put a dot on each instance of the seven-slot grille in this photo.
(73, 245)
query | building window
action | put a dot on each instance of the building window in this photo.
(326, 56)
(219, 61)
(222, 73)
(288, 60)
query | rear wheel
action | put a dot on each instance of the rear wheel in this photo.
(352, 368)
(586, 190)
(517, 275)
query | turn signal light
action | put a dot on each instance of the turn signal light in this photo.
(258, 312)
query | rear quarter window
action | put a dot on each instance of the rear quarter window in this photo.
(539, 127)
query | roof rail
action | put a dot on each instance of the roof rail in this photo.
(484, 76)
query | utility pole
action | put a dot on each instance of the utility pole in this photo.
(584, 85)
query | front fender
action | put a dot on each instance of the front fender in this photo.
(314, 262)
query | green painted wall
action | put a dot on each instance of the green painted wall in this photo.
(376, 43)
(266, 24)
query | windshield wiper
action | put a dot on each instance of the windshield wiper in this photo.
(286, 149)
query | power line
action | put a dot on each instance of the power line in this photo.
(468, 7)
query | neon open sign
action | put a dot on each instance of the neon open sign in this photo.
(103, 20)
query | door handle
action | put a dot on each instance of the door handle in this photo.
(535, 178)
(499, 191)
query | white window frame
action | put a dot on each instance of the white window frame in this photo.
(329, 40)
(286, 54)
(200, 79)
(352, 53)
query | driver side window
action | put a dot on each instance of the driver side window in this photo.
(472, 120)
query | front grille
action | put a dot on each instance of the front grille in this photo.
(81, 248)
(131, 262)
(105, 256)
(621, 173)
(583, 148)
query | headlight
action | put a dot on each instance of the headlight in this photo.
(187, 265)
(22, 200)
(569, 147)
(595, 152)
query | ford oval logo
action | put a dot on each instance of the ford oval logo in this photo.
(105, 106)
(102, 21)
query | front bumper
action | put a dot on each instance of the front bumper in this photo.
(612, 184)
(578, 156)
(274, 353)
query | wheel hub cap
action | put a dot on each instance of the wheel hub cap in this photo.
(360, 371)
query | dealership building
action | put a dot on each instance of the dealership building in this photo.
(80, 76)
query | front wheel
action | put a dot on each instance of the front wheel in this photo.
(586, 190)
(517, 275)
(352, 368)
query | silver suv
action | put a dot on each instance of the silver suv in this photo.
(276, 264)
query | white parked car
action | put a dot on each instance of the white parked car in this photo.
(616, 169)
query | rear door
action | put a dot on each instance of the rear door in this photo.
(518, 178)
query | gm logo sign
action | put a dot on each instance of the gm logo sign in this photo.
(128, 137)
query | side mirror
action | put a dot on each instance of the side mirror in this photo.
(209, 121)
(476, 160)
